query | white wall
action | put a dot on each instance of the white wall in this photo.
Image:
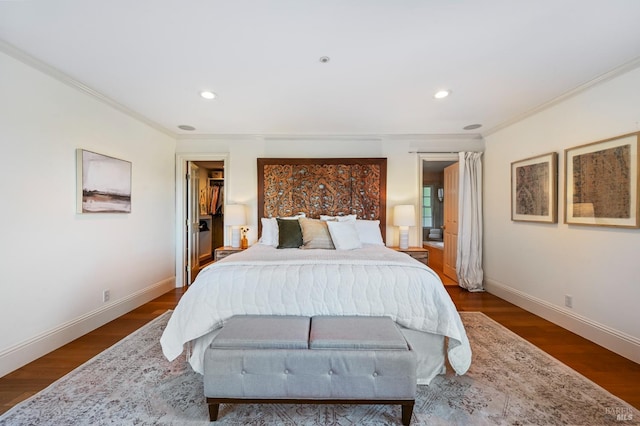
(536, 265)
(55, 263)
(402, 163)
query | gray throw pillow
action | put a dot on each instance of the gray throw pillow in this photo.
(315, 234)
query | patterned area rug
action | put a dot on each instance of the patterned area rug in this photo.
(511, 382)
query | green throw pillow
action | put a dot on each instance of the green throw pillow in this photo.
(289, 233)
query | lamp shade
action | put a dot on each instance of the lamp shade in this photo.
(404, 215)
(235, 215)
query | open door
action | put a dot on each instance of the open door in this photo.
(450, 222)
(192, 223)
(183, 204)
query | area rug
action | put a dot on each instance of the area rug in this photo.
(510, 382)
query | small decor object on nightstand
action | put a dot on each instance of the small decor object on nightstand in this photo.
(244, 242)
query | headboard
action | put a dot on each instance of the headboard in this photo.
(328, 186)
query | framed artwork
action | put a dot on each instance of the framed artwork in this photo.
(103, 183)
(601, 183)
(534, 183)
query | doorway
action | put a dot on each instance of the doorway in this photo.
(209, 194)
(435, 196)
(192, 246)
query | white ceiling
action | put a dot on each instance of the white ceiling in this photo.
(501, 59)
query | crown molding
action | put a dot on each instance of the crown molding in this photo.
(55, 73)
(622, 69)
(278, 136)
(440, 137)
(444, 137)
(217, 137)
(324, 137)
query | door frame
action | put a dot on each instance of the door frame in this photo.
(181, 206)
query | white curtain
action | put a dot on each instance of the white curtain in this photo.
(469, 262)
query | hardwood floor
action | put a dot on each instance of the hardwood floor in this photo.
(37, 375)
(617, 374)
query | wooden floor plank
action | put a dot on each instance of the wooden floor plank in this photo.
(617, 374)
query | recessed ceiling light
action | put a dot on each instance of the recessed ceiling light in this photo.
(207, 94)
(324, 59)
(440, 94)
(472, 126)
(186, 127)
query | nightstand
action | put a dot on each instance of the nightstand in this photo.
(222, 252)
(418, 253)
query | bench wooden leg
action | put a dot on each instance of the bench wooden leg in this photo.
(213, 410)
(407, 412)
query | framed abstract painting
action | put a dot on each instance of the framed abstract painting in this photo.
(103, 183)
(534, 183)
(601, 183)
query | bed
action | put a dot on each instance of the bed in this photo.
(339, 266)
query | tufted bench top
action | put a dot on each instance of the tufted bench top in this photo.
(264, 332)
(355, 332)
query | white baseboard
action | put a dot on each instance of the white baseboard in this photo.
(27, 351)
(614, 340)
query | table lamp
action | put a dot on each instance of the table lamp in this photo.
(235, 216)
(404, 216)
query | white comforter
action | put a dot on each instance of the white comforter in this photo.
(374, 280)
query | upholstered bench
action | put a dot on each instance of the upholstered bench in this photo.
(321, 360)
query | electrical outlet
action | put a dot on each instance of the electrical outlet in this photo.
(106, 295)
(568, 301)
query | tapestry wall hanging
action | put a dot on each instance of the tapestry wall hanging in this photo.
(323, 186)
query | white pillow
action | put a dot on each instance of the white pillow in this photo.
(369, 232)
(347, 218)
(270, 233)
(344, 235)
